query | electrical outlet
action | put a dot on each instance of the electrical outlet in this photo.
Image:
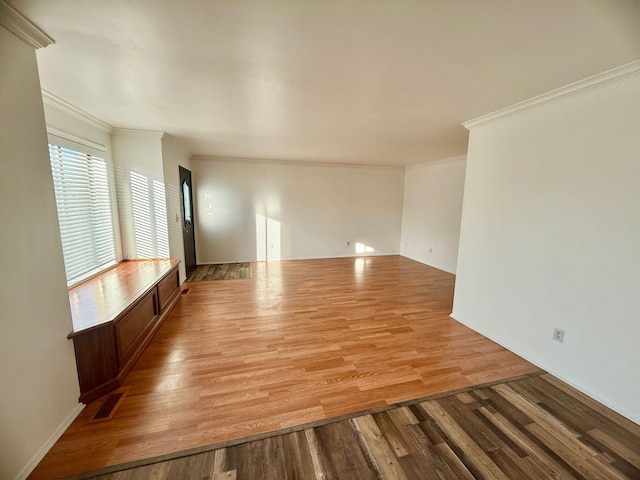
(348, 243)
(558, 334)
(431, 250)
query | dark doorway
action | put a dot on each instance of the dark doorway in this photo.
(188, 237)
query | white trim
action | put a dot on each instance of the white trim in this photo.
(74, 111)
(428, 265)
(595, 81)
(79, 140)
(22, 27)
(174, 140)
(598, 397)
(295, 163)
(44, 449)
(323, 257)
(131, 132)
(458, 158)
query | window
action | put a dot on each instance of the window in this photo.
(81, 186)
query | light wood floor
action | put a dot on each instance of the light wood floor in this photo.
(533, 428)
(301, 341)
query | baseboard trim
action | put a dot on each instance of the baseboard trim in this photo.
(597, 396)
(372, 254)
(46, 446)
(415, 259)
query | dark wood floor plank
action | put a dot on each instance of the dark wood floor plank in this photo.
(298, 462)
(382, 452)
(559, 437)
(314, 451)
(624, 450)
(462, 436)
(596, 407)
(401, 443)
(425, 463)
(201, 466)
(341, 453)
(474, 458)
(261, 460)
(545, 465)
(508, 463)
(454, 462)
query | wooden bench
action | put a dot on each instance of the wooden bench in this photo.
(115, 315)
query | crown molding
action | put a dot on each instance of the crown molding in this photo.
(589, 83)
(175, 141)
(22, 27)
(441, 161)
(75, 112)
(296, 163)
(132, 132)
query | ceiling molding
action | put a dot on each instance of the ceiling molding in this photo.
(175, 141)
(22, 27)
(132, 132)
(589, 83)
(296, 163)
(432, 163)
(75, 112)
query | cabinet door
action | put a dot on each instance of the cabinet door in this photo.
(133, 326)
(168, 288)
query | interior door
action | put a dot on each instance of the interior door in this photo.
(188, 236)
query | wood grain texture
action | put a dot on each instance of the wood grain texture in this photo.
(299, 342)
(459, 436)
(130, 328)
(221, 271)
(104, 297)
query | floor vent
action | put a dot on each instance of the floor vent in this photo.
(185, 291)
(109, 406)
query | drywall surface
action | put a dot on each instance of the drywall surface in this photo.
(37, 366)
(550, 237)
(253, 210)
(141, 193)
(431, 212)
(174, 156)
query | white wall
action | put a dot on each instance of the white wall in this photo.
(319, 208)
(37, 366)
(431, 212)
(174, 156)
(551, 237)
(143, 216)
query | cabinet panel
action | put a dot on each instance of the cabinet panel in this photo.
(167, 288)
(130, 328)
(95, 358)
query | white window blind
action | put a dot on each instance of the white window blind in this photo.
(84, 210)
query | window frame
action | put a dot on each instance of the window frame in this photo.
(85, 147)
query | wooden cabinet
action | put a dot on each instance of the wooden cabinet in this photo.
(167, 287)
(131, 327)
(115, 316)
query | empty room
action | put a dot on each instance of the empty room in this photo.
(294, 239)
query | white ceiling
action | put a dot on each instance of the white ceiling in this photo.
(361, 82)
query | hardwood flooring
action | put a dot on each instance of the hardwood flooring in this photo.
(301, 341)
(533, 428)
(222, 271)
